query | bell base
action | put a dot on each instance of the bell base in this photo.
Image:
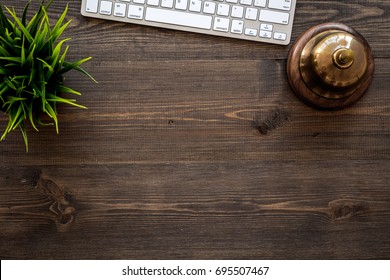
(304, 92)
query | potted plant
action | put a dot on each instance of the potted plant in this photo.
(32, 64)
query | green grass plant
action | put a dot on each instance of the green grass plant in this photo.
(32, 64)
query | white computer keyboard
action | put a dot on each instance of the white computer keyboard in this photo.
(267, 21)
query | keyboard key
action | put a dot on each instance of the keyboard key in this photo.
(221, 24)
(223, 9)
(280, 36)
(251, 13)
(195, 6)
(266, 27)
(260, 3)
(178, 18)
(265, 34)
(250, 31)
(181, 4)
(280, 4)
(237, 11)
(120, 10)
(135, 12)
(153, 2)
(166, 3)
(91, 6)
(246, 2)
(139, 1)
(237, 26)
(209, 8)
(274, 17)
(105, 8)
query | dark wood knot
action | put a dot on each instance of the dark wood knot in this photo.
(347, 208)
(275, 118)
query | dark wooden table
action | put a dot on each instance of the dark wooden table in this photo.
(195, 147)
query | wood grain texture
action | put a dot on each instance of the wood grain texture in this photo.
(195, 147)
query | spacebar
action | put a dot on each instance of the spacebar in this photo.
(178, 18)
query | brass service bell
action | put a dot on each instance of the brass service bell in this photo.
(330, 66)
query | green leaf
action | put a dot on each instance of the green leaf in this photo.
(14, 99)
(11, 59)
(40, 37)
(9, 83)
(48, 4)
(48, 42)
(65, 89)
(52, 114)
(3, 88)
(58, 29)
(30, 58)
(55, 57)
(48, 66)
(62, 59)
(22, 54)
(4, 22)
(7, 41)
(71, 66)
(35, 21)
(25, 13)
(20, 24)
(40, 94)
(33, 24)
(24, 134)
(4, 52)
(76, 66)
(32, 76)
(15, 119)
(31, 117)
(54, 98)
(21, 118)
(6, 131)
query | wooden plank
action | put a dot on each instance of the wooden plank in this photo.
(200, 117)
(240, 210)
